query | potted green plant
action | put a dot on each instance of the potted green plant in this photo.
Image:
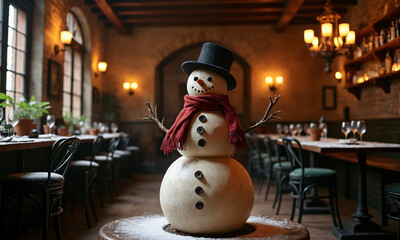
(71, 122)
(26, 111)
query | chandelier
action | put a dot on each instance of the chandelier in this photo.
(335, 39)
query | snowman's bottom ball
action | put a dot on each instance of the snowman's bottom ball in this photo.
(206, 195)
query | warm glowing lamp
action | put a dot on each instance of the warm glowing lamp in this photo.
(315, 42)
(338, 76)
(279, 80)
(338, 42)
(351, 38)
(65, 38)
(308, 36)
(344, 29)
(326, 29)
(102, 66)
(273, 86)
(269, 80)
(130, 87)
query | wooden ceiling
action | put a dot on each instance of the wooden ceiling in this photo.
(125, 14)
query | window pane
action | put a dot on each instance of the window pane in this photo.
(18, 96)
(21, 21)
(10, 58)
(21, 45)
(20, 62)
(12, 16)
(67, 100)
(77, 87)
(11, 37)
(10, 81)
(19, 83)
(67, 84)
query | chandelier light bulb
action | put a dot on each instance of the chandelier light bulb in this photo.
(326, 29)
(308, 36)
(351, 38)
(344, 29)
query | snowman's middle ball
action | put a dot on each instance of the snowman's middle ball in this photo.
(206, 195)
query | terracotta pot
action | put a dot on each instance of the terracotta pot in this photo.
(94, 131)
(62, 131)
(46, 129)
(24, 127)
(315, 133)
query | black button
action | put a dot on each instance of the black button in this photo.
(199, 205)
(202, 118)
(198, 190)
(198, 174)
(200, 130)
(201, 142)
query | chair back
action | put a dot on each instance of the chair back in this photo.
(96, 147)
(270, 148)
(254, 148)
(294, 153)
(123, 144)
(62, 152)
(112, 146)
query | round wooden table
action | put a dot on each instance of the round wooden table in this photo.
(152, 227)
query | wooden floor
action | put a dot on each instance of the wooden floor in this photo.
(139, 196)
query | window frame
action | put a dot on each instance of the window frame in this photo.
(27, 7)
(75, 47)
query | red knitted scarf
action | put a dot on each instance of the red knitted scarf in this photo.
(176, 135)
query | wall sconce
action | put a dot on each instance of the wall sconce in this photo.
(102, 66)
(130, 87)
(274, 85)
(338, 76)
(66, 38)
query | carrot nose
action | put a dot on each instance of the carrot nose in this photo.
(201, 83)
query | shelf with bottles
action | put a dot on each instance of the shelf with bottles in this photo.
(379, 24)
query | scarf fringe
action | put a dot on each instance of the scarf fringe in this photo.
(168, 145)
(238, 139)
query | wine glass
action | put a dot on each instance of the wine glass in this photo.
(13, 118)
(306, 128)
(353, 128)
(345, 128)
(299, 129)
(50, 121)
(1, 114)
(102, 127)
(286, 129)
(279, 128)
(361, 128)
(324, 128)
(293, 129)
(114, 127)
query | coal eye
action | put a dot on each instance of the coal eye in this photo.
(195, 78)
(209, 79)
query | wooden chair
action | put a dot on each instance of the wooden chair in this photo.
(303, 179)
(392, 195)
(107, 168)
(280, 168)
(82, 176)
(44, 190)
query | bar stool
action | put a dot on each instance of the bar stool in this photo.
(43, 189)
(303, 179)
(107, 165)
(392, 194)
(82, 175)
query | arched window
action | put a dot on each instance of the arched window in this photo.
(73, 69)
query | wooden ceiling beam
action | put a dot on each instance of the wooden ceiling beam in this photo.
(109, 12)
(288, 13)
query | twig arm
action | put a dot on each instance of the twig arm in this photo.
(153, 117)
(267, 116)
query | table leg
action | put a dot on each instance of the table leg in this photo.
(361, 227)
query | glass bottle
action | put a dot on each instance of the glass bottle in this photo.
(396, 28)
(388, 62)
(392, 31)
(382, 38)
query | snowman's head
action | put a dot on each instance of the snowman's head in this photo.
(202, 81)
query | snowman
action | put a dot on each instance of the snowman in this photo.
(206, 191)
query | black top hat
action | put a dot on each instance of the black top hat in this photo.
(216, 58)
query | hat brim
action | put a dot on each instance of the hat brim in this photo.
(189, 66)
